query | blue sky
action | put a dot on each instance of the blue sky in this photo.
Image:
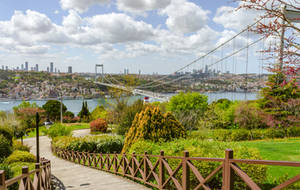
(154, 36)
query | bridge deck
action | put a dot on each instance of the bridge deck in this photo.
(77, 177)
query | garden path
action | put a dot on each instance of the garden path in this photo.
(78, 177)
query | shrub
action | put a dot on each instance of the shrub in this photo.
(9, 173)
(198, 148)
(98, 112)
(151, 124)
(188, 108)
(17, 145)
(5, 147)
(248, 116)
(293, 131)
(58, 130)
(84, 114)
(7, 133)
(96, 144)
(98, 125)
(20, 156)
(128, 116)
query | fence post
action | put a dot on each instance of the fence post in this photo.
(115, 163)
(228, 173)
(2, 180)
(161, 170)
(145, 166)
(185, 171)
(25, 171)
(124, 164)
(133, 163)
(38, 175)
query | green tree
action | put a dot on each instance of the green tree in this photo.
(188, 108)
(52, 108)
(25, 104)
(84, 114)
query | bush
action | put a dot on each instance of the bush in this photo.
(198, 148)
(9, 173)
(293, 132)
(52, 108)
(98, 125)
(17, 145)
(57, 130)
(98, 112)
(5, 147)
(128, 116)
(7, 133)
(151, 124)
(96, 144)
(20, 156)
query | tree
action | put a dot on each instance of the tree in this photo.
(52, 108)
(188, 108)
(25, 104)
(84, 114)
(277, 20)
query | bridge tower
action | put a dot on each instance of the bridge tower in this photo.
(102, 71)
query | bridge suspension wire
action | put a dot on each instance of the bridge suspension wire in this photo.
(210, 52)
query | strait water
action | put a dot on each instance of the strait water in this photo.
(75, 105)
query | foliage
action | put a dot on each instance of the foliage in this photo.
(23, 105)
(17, 145)
(9, 173)
(69, 114)
(188, 108)
(199, 148)
(248, 116)
(52, 108)
(20, 156)
(84, 114)
(27, 116)
(219, 115)
(7, 132)
(57, 130)
(98, 125)
(151, 124)
(5, 147)
(98, 112)
(96, 144)
(281, 102)
(68, 117)
(128, 116)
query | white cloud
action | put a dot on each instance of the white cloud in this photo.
(80, 5)
(185, 17)
(231, 18)
(56, 12)
(139, 6)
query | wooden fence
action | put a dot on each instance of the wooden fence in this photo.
(37, 179)
(155, 170)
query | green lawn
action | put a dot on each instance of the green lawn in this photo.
(280, 149)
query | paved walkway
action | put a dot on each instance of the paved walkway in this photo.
(77, 177)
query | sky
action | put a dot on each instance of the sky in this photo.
(151, 36)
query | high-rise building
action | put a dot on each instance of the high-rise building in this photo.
(70, 69)
(2, 67)
(6, 68)
(51, 67)
(37, 67)
(206, 69)
(55, 70)
(48, 69)
(26, 66)
(22, 67)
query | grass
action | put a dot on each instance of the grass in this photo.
(77, 126)
(278, 149)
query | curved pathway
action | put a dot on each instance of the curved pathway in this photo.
(78, 177)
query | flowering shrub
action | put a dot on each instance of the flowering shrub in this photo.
(98, 125)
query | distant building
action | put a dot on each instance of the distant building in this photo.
(37, 67)
(48, 69)
(51, 67)
(55, 70)
(6, 68)
(70, 69)
(22, 67)
(26, 66)
(2, 67)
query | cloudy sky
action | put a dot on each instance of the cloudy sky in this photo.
(148, 35)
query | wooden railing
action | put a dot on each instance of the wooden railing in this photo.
(155, 170)
(37, 179)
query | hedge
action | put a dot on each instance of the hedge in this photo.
(96, 144)
(20, 156)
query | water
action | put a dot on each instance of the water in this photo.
(75, 105)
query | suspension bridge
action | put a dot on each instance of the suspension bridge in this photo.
(229, 56)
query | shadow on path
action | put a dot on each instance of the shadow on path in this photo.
(56, 184)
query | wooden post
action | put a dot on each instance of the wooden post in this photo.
(161, 170)
(185, 171)
(25, 171)
(133, 163)
(2, 180)
(124, 164)
(145, 166)
(115, 162)
(228, 173)
(37, 120)
(37, 167)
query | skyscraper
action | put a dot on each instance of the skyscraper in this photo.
(37, 67)
(51, 67)
(22, 67)
(48, 69)
(70, 69)
(26, 66)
